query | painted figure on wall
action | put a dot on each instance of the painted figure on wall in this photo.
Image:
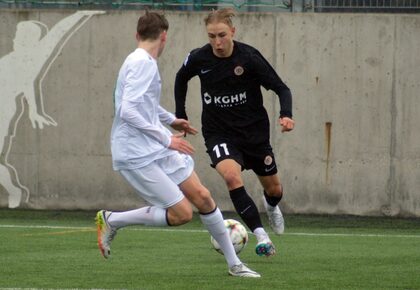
(22, 71)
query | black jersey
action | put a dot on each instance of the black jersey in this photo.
(232, 103)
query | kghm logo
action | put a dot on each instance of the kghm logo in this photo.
(225, 101)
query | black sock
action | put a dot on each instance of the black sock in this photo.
(272, 200)
(246, 208)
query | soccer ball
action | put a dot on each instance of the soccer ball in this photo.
(237, 234)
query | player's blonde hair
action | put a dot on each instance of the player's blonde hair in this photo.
(223, 15)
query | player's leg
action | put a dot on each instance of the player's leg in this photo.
(273, 192)
(210, 215)
(109, 222)
(228, 161)
(230, 171)
(244, 205)
(178, 214)
(169, 207)
(212, 218)
(264, 165)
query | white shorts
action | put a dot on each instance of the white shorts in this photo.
(158, 182)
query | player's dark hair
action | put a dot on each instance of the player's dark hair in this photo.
(223, 15)
(151, 25)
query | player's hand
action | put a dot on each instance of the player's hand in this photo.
(180, 144)
(184, 126)
(287, 124)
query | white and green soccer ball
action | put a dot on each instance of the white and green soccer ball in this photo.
(237, 233)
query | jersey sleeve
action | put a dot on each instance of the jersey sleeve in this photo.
(165, 116)
(270, 80)
(139, 78)
(184, 74)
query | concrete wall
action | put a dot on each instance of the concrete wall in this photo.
(354, 78)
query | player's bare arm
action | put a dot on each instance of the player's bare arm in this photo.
(184, 126)
(180, 144)
(287, 124)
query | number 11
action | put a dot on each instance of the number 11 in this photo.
(216, 149)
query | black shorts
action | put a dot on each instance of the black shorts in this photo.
(259, 158)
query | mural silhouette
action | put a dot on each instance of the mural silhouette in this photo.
(22, 71)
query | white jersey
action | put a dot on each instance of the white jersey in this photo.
(138, 136)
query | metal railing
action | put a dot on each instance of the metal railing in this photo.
(189, 5)
(373, 6)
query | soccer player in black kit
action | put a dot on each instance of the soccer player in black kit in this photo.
(235, 124)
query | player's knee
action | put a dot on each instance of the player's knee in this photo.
(275, 190)
(181, 218)
(232, 179)
(204, 201)
(204, 195)
(186, 217)
(180, 214)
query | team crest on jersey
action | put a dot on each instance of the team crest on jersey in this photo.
(268, 160)
(238, 70)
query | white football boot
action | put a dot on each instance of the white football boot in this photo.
(275, 218)
(243, 271)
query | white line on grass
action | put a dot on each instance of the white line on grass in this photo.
(205, 231)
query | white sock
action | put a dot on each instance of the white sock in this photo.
(270, 207)
(215, 225)
(149, 216)
(260, 234)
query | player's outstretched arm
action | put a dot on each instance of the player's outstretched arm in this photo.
(184, 126)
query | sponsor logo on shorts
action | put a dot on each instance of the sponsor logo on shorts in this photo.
(269, 169)
(268, 160)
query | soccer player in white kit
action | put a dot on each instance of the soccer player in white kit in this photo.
(154, 161)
